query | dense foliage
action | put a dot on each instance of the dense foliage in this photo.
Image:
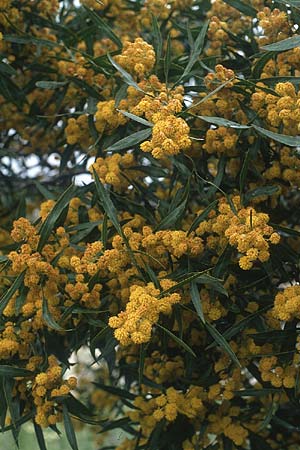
(149, 213)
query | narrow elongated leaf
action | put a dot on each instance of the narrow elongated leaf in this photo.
(136, 118)
(39, 436)
(116, 391)
(70, 433)
(256, 392)
(52, 217)
(48, 317)
(157, 39)
(130, 141)
(214, 282)
(50, 84)
(249, 156)
(244, 8)
(107, 203)
(103, 26)
(282, 46)
(221, 341)
(11, 291)
(191, 277)
(176, 339)
(197, 301)
(11, 372)
(291, 141)
(171, 218)
(196, 51)
(202, 216)
(223, 122)
(6, 68)
(125, 75)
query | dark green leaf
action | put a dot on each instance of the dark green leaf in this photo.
(48, 317)
(244, 8)
(195, 51)
(177, 340)
(130, 141)
(222, 343)
(219, 121)
(11, 291)
(282, 46)
(70, 433)
(39, 436)
(11, 372)
(50, 84)
(197, 301)
(292, 141)
(49, 223)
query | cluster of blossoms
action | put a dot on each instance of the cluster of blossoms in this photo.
(134, 325)
(166, 266)
(244, 228)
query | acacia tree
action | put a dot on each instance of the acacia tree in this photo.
(149, 212)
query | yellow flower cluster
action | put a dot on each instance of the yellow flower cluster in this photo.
(283, 109)
(275, 25)
(247, 230)
(161, 368)
(107, 118)
(170, 136)
(134, 325)
(137, 58)
(221, 140)
(278, 376)
(46, 386)
(226, 422)
(158, 101)
(168, 406)
(77, 131)
(114, 170)
(287, 304)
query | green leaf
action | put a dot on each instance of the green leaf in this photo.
(196, 50)
(292, 141)
(167, 58)
(244, 8)
(219, 121)
(202, 216)
(282, 46)
(11, 372)
(249, 156)
(125, 75)
(189, 279)
(177, 340)
(266, 190)
(48, 317)
(272, 81)
(70, 433)
(50, 84)
(136, 118)
(197, 301)
(53, 216)
(221, 341)
(171, 218)
(157, 39)
(130, 141)
(115, 391)
(103, 27)
(260, 64)
(256, 392)
(7, 68)
(39, 436)
(107, 203)
(11, 291)
(215, 283)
